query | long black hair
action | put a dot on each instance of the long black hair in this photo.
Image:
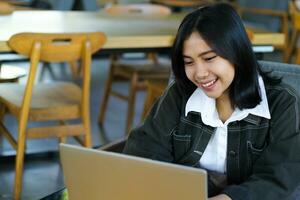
(222, 29)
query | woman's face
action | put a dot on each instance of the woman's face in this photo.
(205, 68)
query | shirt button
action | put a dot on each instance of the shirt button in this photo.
(232, 153)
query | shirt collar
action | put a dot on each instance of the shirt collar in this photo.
(206, 106)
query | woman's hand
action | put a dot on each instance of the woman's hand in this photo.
(220, 197)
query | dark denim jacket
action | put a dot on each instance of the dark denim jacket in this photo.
(263, 156)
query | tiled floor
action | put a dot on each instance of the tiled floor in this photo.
(42, 171)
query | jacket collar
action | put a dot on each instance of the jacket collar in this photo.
(206, 106)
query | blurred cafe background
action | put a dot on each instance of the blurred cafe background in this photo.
(93, 96)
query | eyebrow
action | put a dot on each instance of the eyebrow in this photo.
(202, 54)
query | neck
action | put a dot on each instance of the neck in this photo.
(224, 107)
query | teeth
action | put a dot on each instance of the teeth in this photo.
(209, 83)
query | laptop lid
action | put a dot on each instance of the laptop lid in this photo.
(95, 174)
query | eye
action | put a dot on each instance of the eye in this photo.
(187, 62)
(210, 58)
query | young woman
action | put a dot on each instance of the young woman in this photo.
(223, 114)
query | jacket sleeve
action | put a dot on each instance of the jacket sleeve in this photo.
(152, 139)
(276, 173)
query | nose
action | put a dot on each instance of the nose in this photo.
(201, 72)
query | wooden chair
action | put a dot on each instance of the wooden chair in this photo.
(61, 101)
(133, 71)
(295, 19)
(269, 15)
(154, 90)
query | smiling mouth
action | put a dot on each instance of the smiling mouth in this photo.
(208, 84)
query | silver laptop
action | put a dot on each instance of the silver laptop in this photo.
(94, 174)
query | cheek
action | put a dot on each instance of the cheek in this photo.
(189, 73)
(231, 74)
(227, 72)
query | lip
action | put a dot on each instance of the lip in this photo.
(208, 85)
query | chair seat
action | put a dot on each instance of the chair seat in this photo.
(49, 101)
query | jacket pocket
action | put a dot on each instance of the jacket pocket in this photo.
(254, 153)
(181, 145)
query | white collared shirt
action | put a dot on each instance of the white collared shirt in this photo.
(214, 156)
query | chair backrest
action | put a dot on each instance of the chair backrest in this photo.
(141, 9)
(56, 47)
(290, 73)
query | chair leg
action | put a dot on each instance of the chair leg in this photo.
(107, 90)
(2, 114)
(87, 129)
(87, 137)
(62, 139)
(297, 60)
(131, 102)
(292, 46)
(19, 164)
(75, 68)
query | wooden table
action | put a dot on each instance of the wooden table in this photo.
(122, 31)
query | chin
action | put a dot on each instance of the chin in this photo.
(213, 95)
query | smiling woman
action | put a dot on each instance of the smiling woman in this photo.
(223, 113)
(210, 72)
